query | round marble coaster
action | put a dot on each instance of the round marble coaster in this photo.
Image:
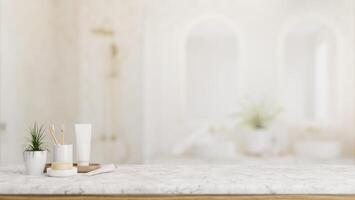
(62, 173)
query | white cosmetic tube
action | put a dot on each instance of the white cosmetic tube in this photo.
(83, 142)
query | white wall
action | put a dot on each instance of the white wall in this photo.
(261, 26)
(53, 67)
(211, 55)
(23, 33)
(38, 69)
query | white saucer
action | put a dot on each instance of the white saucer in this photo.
(62, 173)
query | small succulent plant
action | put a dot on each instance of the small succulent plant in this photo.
(36, 140)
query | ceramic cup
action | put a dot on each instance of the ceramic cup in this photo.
(62, 156)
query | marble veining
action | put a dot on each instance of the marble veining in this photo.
(193, 179)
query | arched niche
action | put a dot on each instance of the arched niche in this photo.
(211, 55)
(309, 61)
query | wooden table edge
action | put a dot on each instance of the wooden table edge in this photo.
(178, 197)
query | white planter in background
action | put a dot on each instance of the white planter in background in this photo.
(320, 150)
(258, 141)
(35, 162)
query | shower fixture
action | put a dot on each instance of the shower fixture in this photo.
(106, 32)
(109, 133)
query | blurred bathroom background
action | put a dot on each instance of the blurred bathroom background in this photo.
(183, 82)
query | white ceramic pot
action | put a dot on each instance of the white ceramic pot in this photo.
(258, 142)
(35, 161)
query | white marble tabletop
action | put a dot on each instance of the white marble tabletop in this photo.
(193, 179)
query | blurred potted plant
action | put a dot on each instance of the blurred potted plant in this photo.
(257, 119)
(35, 154)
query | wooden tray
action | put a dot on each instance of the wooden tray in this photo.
(81, 169)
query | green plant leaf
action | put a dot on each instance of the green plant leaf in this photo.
(36, 140)
(258, 115)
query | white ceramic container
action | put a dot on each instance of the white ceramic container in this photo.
(35, 162)
(63, 153)
(62, 173)
(258, 142)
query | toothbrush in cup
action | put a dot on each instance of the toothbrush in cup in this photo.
(62, 134)
(52, 132)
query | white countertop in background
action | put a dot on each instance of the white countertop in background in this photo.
(193, 179)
